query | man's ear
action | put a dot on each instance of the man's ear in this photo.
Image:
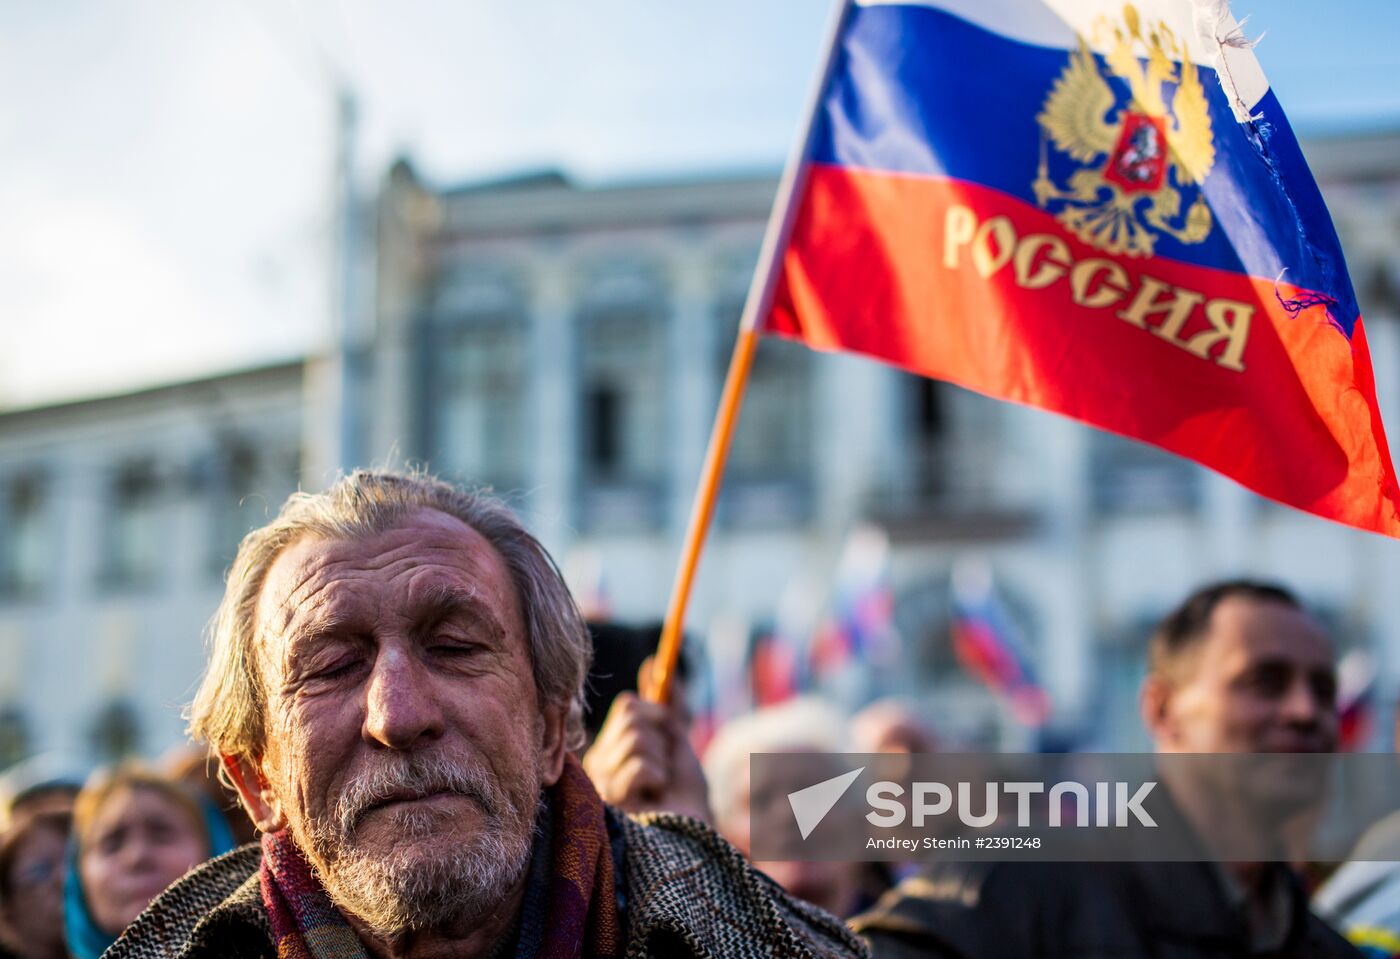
(1154, 703)
(258, 797)
(553, 748)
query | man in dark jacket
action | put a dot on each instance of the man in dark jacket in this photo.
(395, 684)
(1239, 667)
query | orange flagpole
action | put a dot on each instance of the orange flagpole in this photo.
(756, 307)
(668, 651)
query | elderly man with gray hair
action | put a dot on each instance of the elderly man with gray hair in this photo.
(394, 688)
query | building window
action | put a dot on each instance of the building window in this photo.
(768, 475)
(927, 414)
(115, 732)
(235, 470)
(604, 416)
(1379, 291)
(248, 479)
(23, 536)
(478, 383)
(1131, 477)
(482, 435)
(949, 443)
(623, 402)
(133, 541)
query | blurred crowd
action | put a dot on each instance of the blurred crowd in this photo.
(81, 857)
(1237, 667)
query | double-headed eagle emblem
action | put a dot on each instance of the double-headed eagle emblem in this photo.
(1136, 159)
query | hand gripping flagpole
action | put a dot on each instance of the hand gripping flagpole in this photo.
(756, 307)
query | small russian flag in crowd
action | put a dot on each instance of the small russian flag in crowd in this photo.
(989, 646)
(773, 670)
(861, 626)
(1356, 694)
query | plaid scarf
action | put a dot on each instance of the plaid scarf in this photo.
(571, 909)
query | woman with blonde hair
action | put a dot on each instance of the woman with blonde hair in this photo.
(134, 833)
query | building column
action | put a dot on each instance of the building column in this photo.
(554, 404)
(1073, 601)
(846, 449)
(693, 382)
(1229, 547)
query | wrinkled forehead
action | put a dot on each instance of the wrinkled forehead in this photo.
(318, 580)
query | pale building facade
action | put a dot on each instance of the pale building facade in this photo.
(566, 345)
(118, 519)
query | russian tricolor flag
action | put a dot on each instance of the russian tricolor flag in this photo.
(988, 645)
(1097, 209)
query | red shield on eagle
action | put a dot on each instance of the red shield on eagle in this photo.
(1139, 161)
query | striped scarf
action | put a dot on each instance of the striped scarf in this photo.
(571, 909)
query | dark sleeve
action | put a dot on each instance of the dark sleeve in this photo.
(1325, 942)
(959, 910)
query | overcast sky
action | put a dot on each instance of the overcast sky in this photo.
(166, 192)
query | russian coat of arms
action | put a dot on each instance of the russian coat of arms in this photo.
(1137, 159)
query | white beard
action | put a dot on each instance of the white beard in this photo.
(428, 883)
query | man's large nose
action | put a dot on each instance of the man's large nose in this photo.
(1302, 706)
(401, 710)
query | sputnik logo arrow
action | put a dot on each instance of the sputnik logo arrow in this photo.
(810, 805)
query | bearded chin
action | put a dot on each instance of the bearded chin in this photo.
(418, 886)
(421, 881)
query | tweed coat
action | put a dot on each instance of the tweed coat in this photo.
(689, 894)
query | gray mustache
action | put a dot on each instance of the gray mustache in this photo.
(418, 776)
